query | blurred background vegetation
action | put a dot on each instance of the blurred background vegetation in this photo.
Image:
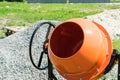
(21, 13)
(14, 0)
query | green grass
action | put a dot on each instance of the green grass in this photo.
(2, 33)
(115, 1)
(24, 14)
(116, 44)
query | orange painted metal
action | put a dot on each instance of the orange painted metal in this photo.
(80, 49)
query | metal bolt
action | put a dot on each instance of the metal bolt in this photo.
(107, 54)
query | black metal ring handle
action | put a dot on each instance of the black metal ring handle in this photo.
(44, 50)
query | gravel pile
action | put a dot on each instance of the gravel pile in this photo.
(110, 20)
(15, 63)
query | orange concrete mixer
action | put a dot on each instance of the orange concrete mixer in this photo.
(80, 49)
